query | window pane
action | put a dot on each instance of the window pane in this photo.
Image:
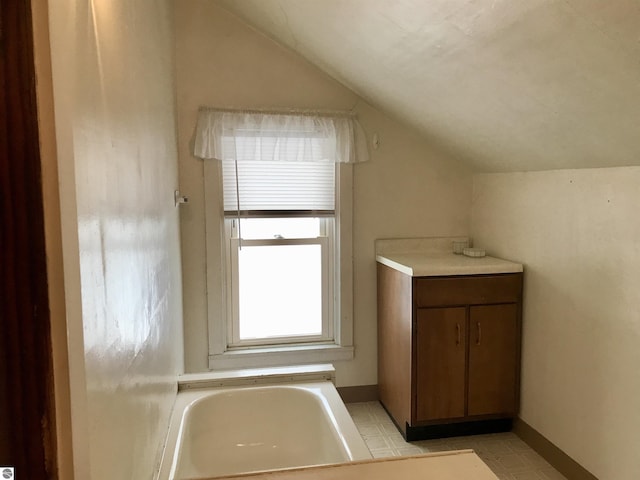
(280, 291)
(263, 228)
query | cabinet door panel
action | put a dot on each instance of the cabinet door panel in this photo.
(492, 359)
(440, 363)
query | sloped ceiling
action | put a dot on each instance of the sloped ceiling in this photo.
(507, 85)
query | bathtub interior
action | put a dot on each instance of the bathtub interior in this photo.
(245, 429)
(265, 428)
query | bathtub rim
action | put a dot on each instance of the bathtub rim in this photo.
(354, 443)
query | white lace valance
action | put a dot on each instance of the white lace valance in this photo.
(287, 137)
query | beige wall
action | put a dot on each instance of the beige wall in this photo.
(577, 233)
(406, 190)
(117, 161)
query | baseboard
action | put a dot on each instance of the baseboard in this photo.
(552, 454)
(359, 393)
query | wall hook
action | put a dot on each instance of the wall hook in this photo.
(178, 199)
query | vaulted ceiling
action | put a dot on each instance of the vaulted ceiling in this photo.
(507, 85)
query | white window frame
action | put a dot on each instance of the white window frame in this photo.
(221, 355)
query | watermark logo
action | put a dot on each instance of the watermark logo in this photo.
(7, 473)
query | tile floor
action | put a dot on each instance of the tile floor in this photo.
(508, 456)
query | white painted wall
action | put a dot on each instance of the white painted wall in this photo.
(117, 159)
(577, 233)
(407, 189)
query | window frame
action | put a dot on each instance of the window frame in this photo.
(221, 355)
(231, 242)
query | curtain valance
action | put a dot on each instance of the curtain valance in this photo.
(287, 137)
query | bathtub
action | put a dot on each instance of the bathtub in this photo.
(224, 431)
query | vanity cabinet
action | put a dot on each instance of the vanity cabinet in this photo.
(449, 351)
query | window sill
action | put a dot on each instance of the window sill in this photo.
(281, 355)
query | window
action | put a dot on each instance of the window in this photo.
(279, 243)
(282, 282)
(278, 221)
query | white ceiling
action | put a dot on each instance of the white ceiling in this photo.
(507, 85)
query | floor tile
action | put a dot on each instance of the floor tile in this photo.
(383, 453)
(505, 453)
(377, 442)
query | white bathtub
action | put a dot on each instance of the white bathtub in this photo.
(223, 431)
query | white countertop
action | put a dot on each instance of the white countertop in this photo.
(419, 264)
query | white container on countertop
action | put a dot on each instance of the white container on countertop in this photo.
(474, 252)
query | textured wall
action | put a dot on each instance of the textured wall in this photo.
(510, 86)
(113, 88)
(407, 189)
(577, 233)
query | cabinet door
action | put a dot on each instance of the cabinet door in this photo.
(492, 359)
(440, 363)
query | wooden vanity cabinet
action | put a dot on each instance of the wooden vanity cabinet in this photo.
(449, 351)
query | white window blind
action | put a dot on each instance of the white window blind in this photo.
(278, 186)
(304, 183)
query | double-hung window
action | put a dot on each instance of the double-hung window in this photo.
(278, 249)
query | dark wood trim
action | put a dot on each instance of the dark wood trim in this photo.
(359, 393)
(28, 427)
(552, 454)
(53, 239)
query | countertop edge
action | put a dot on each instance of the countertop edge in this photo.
(440, 268)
